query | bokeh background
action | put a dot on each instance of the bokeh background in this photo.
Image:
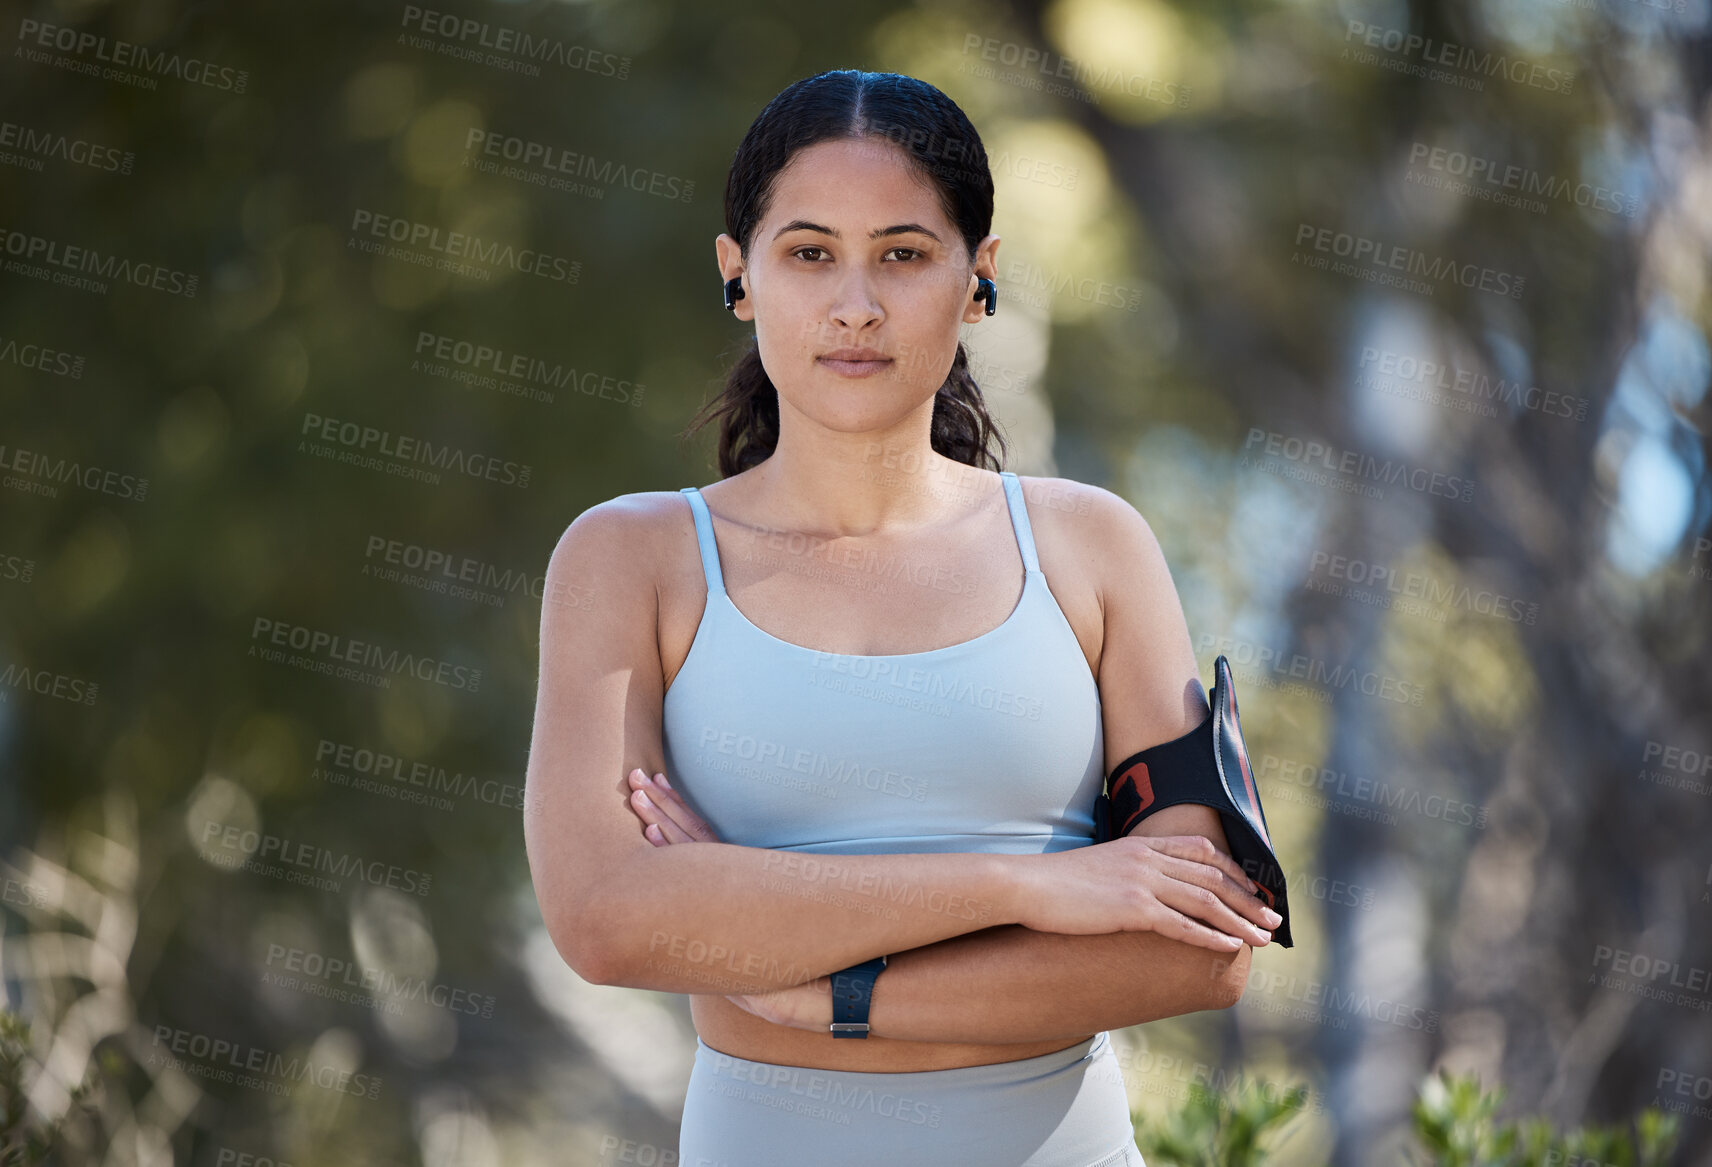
(1391, 319)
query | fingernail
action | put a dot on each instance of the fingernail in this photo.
(637, 776)
(642, 798)
(661, 779)
(1272, 918)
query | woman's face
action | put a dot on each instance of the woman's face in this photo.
(855, 253)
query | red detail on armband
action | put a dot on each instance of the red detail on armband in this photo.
(1143, 786)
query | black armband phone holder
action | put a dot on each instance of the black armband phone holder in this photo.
(1207, 765)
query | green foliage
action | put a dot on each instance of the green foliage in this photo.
(18, 1143)
(1454, 1121)
(24, 1138)
(1219, 1128)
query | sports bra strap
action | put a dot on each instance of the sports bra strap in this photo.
(1019, 520)
(710, 549)
(704, 540)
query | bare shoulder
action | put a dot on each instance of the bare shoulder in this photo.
(640, 513)
(614, 554)
(1097, 528)
(1080, 505)
(637, 524)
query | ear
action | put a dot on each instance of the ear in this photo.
(986, 267)
(730, 257)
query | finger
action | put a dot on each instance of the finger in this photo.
(644, 810)
(1204, 906)
(641, 809)
(656, 827)
(1215, 880)
(648, 809)
(659, 817)
(677, 821)
(1191, 931)
(668, 801)
(1200, 849)
(674, 808)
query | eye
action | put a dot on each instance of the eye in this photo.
(910, 254)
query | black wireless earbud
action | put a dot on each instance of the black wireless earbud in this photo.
(733, 292)
(984, 290)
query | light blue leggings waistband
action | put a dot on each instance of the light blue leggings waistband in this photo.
(1067, 1108)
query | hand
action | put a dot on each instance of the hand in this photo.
(1181, 886)
(665, 818)
(804, 1006)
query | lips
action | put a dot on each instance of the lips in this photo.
(854, 362)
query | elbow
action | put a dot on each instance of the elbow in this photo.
(596, 973)
(581, 949)
(593, 955)
(1230, 978)
(591, 943)
(597, 964)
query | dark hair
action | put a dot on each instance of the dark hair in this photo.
(929, 126)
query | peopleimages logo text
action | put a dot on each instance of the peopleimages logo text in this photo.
(1355, 465)
(330, 646)
(496, 44)
(460, 245)
(1413, 261)
(1472, 62)
(407, 450)
(25, 248)
(130, 55)
(36, 473)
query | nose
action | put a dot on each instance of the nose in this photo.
(853, 306)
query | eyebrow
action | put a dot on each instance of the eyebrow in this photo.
(876, 233)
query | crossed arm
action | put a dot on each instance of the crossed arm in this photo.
(1008, 984)
(1011, 984)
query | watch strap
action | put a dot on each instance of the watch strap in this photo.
(852, 992)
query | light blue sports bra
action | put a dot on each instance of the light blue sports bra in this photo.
(994, 744)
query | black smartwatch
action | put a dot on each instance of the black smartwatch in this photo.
(852, 991)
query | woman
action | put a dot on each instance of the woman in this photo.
(879, 746)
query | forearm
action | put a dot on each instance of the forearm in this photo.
(718, 918)
(1012, 984)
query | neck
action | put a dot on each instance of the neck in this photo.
(851, 485)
